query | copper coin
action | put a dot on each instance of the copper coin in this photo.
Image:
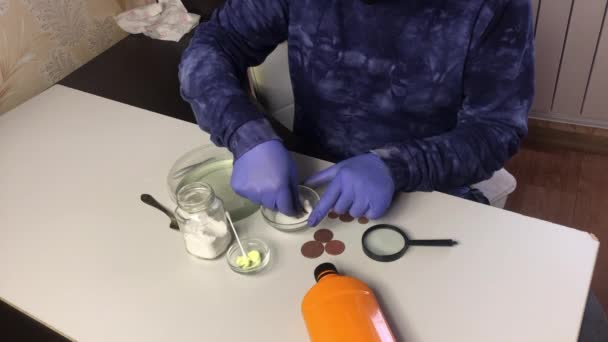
(335, 247)
(346, 218)
(363, 220)
(324, 235)
(312, 249)
(332, 215)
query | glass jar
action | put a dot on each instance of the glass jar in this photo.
(202, 221)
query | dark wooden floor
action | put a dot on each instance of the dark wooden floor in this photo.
(569, 188)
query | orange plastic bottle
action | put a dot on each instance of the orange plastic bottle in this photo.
(343, 309)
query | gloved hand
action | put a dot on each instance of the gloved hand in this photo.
(267, 175)
(360, 186)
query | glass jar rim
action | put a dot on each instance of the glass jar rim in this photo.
(195, 196)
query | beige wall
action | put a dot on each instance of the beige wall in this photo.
(41, 41)
(128, 4)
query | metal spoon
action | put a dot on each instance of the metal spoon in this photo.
(151, 201)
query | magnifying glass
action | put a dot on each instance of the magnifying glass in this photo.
(385, 242)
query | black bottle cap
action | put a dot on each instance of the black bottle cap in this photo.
(324, 269)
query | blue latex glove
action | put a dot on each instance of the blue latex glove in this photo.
(360, 186)
(267, 175)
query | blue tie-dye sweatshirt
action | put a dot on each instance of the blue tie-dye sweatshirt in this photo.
(439, 89)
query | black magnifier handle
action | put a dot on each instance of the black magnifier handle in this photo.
(435, 243)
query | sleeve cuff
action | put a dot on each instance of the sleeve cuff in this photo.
(249, 135)
(398, 162)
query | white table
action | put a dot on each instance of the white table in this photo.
(81, 253)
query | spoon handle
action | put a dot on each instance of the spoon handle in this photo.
(151, 201)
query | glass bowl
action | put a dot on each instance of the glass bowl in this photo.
(212, 165)
(248, 244)
(291, 224)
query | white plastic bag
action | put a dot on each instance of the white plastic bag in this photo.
(166, 20)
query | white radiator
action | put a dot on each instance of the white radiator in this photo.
(572, 61)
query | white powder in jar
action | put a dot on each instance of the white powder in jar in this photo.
(205, 237)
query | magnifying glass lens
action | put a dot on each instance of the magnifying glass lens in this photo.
(384, 242)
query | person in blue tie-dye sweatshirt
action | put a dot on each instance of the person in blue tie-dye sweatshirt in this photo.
(414, 95)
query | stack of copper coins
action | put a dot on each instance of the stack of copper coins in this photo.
(323, 242)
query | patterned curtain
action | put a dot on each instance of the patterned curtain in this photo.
(41, 41)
